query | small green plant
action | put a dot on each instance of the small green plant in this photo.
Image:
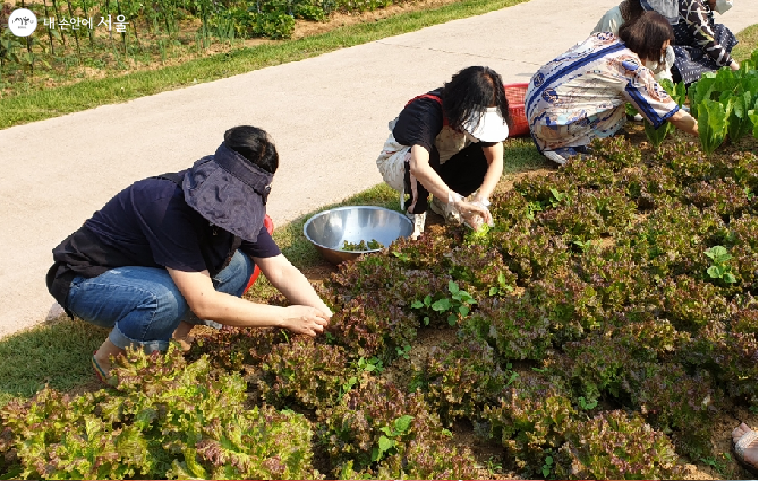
(494, 465)
(583, 245)
(720, 270)
(348, 385)
(532, 208)
(459, 303)
(400, 427)
(502, 286)
(373, 364)
(403, 352)
(718, 465)
(587, 404)
(548, 467)
(557, 197)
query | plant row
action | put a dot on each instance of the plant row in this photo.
(598, 331)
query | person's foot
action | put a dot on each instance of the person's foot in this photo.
(101, 360)
(181, 335)
(746, 447)
(419, 222)
(561, 156)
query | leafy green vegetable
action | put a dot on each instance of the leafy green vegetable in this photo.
(700, 91)
(679, 94)
(739, 123)
(657, 136)
(753, 115)
(713, 122)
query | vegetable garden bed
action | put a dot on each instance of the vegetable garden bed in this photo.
(587, 335)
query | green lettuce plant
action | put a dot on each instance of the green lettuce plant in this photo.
(713, 123)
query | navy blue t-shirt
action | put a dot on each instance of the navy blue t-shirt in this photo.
(150, 224)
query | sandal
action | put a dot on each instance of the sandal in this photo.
(100, 373)
(739, 451)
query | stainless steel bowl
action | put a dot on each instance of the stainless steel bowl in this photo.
(328, 230)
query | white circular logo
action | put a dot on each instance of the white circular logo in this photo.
(22, 22)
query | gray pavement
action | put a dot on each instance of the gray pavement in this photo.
(328, 116)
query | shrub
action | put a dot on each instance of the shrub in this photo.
(169, 419)
(689, 303)
(617, 276)
(303, 371)
(457, 380)
(731, 357)
(726, 197)
(530, 251)
(597, 366)
(573, 307)
(618, 152)
(373, 422)
(671, 399)
(427, 460)
(529, 420)
(234, 348)
(615, 446)
(516, 327)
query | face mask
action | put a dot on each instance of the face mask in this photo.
(722, 6)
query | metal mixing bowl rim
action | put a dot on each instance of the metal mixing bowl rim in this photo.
(342, 208)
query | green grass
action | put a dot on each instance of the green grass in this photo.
(39, 105)
(58, 354)
(748, 42)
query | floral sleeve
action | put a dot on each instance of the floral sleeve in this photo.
(646, 95)
(695, 15)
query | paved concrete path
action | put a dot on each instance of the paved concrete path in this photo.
(328, 116)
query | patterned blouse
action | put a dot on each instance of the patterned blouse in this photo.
(697, 17)
(580, 95)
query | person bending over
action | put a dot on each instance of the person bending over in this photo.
(176, 250)
(580, 95)
(448, 142)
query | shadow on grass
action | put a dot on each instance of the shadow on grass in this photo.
(57, 353)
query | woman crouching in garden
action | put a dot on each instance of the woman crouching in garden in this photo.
(580, 95)
(175, 250)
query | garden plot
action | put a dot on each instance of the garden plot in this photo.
(604, 328)
(592, 319)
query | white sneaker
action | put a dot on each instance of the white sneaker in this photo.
(419, 222)
(443, 209)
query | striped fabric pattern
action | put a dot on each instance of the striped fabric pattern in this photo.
(580, 95)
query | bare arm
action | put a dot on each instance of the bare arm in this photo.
(684, 122)
(494, 156)
(207, 303)
(428, 177)
(291, 282)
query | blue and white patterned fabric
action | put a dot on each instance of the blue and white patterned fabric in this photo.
(580, 95)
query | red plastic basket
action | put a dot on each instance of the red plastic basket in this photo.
(516, 95)
(269, 224)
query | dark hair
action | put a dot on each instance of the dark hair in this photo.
(470, 92)
(254, 145)
(631, 10)
(646, 36)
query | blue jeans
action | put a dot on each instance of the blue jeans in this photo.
(143, 305)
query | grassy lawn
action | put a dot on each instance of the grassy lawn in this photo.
(748, 42)
(39, 105)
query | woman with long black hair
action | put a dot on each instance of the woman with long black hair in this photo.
(448, 142)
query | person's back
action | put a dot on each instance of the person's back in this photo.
(700, 44)
(178, 249)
